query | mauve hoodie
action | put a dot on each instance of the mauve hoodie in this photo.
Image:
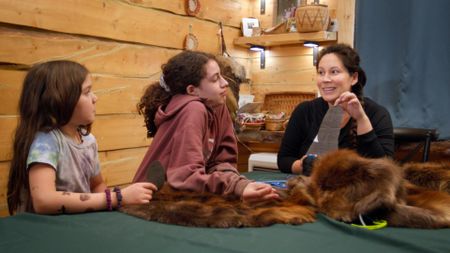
(197, 146)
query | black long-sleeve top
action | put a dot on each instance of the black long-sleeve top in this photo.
(305, 122)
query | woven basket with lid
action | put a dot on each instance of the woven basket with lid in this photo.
(312, 18)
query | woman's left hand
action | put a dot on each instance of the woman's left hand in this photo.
(351, 104)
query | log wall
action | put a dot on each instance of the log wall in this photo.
(123, 43)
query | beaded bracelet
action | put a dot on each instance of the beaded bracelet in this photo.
(119, 196)
(108, 199)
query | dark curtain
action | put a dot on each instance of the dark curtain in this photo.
(405, 50)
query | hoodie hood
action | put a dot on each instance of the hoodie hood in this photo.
(177, 103)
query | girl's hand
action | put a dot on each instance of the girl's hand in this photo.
(138, 193)
(255, 192)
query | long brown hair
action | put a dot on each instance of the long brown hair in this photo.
(182, 70)
(350, 59)
(49, 95)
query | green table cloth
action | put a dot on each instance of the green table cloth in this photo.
(117, 232)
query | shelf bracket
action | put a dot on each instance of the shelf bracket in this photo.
(262, 59)
(262, 54)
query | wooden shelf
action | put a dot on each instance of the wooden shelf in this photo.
(285, 39)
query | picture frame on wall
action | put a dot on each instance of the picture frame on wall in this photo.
(285, 9)
(247, 26)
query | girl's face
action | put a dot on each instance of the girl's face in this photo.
(84, 112)
(333, 78)
(213, 86)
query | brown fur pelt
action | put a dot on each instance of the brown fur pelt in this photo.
(343, 185)
(211, 210)
(431, 175)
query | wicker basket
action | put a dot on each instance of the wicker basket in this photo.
(253, 126)
(274, 124)
(312, 18)
(285, 101)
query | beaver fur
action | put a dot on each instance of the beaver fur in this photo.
(343, 185)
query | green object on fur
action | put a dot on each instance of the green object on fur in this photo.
(376, 225)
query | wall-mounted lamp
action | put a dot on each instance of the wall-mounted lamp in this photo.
(262, 7)
(262, 55)
(315, 47)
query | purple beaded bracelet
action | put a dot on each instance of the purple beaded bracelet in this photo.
(108, 199)
(119, 196)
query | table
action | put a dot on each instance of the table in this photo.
(117, 232)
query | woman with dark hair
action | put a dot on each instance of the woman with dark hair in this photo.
(365, 127)
(193, 133)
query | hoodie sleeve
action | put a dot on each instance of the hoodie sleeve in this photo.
(188, 157)
(224, 157)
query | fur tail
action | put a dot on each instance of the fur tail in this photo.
(416, 217)
(434, 176)
(424, 209)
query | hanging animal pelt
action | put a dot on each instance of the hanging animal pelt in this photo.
(343, 186)
(235, 74)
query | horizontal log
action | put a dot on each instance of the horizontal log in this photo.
(287, 68)
(25, 47)
(115, 20)
(127, 60)
(113, 132)
(120, 131)
(119, 166)
(115, 94)
(229, 12)
(118, 95)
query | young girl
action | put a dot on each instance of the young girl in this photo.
(55, 167)
(365, 127)
(193, 134)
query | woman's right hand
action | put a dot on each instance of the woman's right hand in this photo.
(297, 166)
(138, 193)
(255, 192)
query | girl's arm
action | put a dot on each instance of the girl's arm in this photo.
(97, 184)
(47, 200)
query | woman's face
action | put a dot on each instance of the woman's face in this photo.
(213, 86)
(333, 78)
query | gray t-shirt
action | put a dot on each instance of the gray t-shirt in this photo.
(75, 164)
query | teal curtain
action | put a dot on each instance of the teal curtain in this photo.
(405, 50)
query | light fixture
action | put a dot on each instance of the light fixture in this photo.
(262, 7)
(256, 48)
(315, 46)
(310, 44)
(262, 55)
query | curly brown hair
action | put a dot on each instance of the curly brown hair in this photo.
(350, 59)
(184, 69)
